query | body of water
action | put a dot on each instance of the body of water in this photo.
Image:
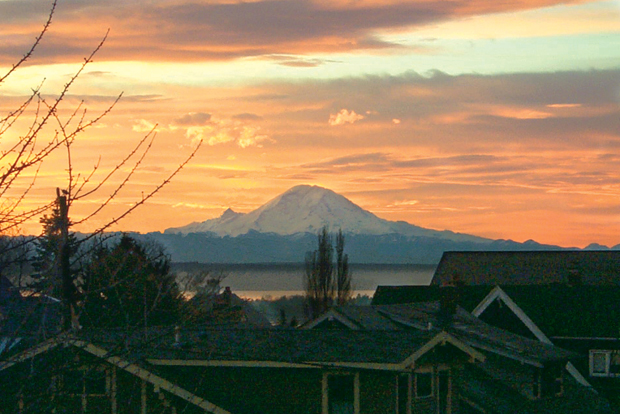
(276, 280)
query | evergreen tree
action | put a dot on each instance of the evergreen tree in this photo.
(129, 285)
(55, 242)
(343, 275)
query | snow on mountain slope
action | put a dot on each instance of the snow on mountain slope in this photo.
(306, 208)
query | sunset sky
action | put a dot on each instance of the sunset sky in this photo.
(494, 118)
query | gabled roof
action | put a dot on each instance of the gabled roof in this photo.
(505, 301)
(567, 311)
(477, 333)
(529, 267)
(259, 347)
(227, 309)
(112, 358)
(427, 317)
(353, 317)
(557, 309)
(300, 346)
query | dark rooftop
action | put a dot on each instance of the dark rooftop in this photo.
(570, 311)
(468, 296)
(274, 345)
(475, 332)
(530, 267)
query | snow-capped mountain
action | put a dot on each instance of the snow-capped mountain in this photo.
(306, 209)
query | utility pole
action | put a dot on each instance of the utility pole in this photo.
(68, 289)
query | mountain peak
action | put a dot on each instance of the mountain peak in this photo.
(228, 214)
(306, 209)
(311, 193)
(307, 197)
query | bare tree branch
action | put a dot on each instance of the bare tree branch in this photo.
(34, 45)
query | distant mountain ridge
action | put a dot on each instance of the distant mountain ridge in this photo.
(255, 247)
(306, 209)
(285, 228)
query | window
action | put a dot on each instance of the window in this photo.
(599, 363)
(340, 393)
(83, 390)
(403, 393)
(412, 387)
(604, 363)
(423, 384)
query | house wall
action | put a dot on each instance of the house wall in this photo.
(377, 392)
(246, 390)
(42, 385)
(609, 387)
(514, 374)
(242, 390)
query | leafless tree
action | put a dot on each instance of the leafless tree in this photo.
(53, 126)
(48, 131)
(23, 152)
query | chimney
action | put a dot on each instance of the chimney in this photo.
(574, 277)
(449, 299)
(227, 296)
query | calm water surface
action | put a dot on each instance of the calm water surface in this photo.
(276, 280)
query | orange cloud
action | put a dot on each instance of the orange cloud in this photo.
(203, 31)
(344, 117)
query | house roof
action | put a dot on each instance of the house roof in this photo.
(477, 333)
(480, 387)
(227, 309)
(259, 347)
(468, 296)
(529, 267)
(285, 345)
(354, 317)
(30, 316)
(428, 317)
(120, 361)
(570, 311)
(7, 290)
(557, 309)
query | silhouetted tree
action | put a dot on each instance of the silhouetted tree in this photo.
(48, 251)
(126, 284)
(319, 282)
(204, 287)
(129, 285)
(282, 317)
(323, 287)
(30, 133)
(343, 274)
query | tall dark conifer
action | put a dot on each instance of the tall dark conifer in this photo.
(49, 251)
(343, 274)
(128, 285)
(326, 284)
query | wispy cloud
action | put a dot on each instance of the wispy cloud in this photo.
(218, 30)
(193, 119)
(216, 131)
(290, 91)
